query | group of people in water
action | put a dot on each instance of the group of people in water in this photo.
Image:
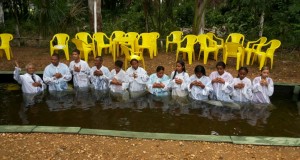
(219, 85)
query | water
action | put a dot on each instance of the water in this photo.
(147, 113)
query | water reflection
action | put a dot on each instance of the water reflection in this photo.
(60, 100)
(29, 100)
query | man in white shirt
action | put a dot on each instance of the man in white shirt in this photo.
(80, 70)
(56, 75)
(99, 75)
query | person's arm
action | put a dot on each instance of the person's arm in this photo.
(66, 74)
(270, 86)
(48, 77)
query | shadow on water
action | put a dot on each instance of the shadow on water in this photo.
(148, 113)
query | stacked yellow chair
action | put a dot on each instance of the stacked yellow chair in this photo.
(253, 46)
(235, 38)
(215, 41)
(114, 46)
(173, 38)
(205, 48)
(146, 40)
(190, 40)
(269, 53)
(100, 42)
(156, 35)
(5, 38)
(83, 47)
(62, 43)
(130, 54)
(234, 50)
(87, 38)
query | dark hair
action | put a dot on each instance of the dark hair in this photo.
(264, 68)
(99, 57)
(134, 60)
(76, 51)
(221, 63)
(159, 68)
(181, 62)
(55, 55)
(119, 63)
(201, 69)
(242, 68)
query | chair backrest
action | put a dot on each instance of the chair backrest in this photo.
(100, 37)
(62, 38)
(202, 39)
(116, 34)
(190, 41)
(127, 53)
(236, 38)
(232, 49)
(84, 36)
(5, 38)
(80, 45)
(156, 34)
(176, 36)
(132, 34)
(274, 44)
(146, 38)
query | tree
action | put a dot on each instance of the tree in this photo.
(199, 21)
(98, 13)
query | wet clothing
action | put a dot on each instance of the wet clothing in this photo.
(54, 83)
(261, 93)
(243, 94)
(179, 89)
(138, 83)
(158, 91)
(100, 82)
(221, 91)
(198, 93)
(81, 78)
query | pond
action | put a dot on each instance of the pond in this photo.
(146, 113)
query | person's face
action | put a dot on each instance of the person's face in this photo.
(265, 73)
(98, 62)
(220, 70)
(54, 60)
(160, 73)
(117, 68)
(134, 64)
(30, 69)
(179, 67)
(198, 74)
(242, 74)
(75, 56)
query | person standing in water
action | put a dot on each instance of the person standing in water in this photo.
(179, 80)
(99, 75)
(158, 82)
(80, 70)
(242, 87)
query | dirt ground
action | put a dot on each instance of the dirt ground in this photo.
(68, 146)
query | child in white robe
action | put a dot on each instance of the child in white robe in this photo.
(99, 75)
(242, 87)
(138, 77)
(119, 79)
(179, 80)
(80, 70)
(200, 85)
(158, 82)
(263, 87)
(221, 80)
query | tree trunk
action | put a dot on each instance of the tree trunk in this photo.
(199, 23)
(261, 24)
(99, 15)
(1, 14)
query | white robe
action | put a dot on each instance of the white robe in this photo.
(261, 94)
(100, 82)
(26, 82)
(196, 92)
(179, 89)
(81, 78)
(158, 91)
(244, 94)
(221, 91)
(54, 83)
(120, 76)
(139, 83)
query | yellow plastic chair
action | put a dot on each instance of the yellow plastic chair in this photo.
(220, 41)
(133, 35)
(114, 45)
(189, 47)
(253, 46)
(156, 35)
(87, 38)
(235, 38)
(62, 40)
(269, 53)
(5, 46)
(84, 48)
(203, 39)
(173, 38)
(100, 41)
(130, 54)
(234, 50)
(146, 40)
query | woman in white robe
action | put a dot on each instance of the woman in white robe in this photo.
(138, 77)
(179, 80)
(158, 82)
(242, 87)
(200, 85)
(221, 80)
(99, 75)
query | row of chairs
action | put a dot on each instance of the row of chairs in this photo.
(99, 41)
(232, 47)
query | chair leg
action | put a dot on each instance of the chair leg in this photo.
(190, 57)
(177, 52)
(7, 52)
(144, 64)
(11, 54)
(238, 61)
(205, 57)
(199, 54)
(216, 55)
(86, 56)
(262, 61)
(66, 50)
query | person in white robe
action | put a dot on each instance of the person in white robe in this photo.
(138, 77)
(221, 80)
(31, 83)
(200, 85)
(99, 75)
(56, 75)
(263, 87)
(179, 80)
(80, 70)
(158, 82)
(242, 87)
